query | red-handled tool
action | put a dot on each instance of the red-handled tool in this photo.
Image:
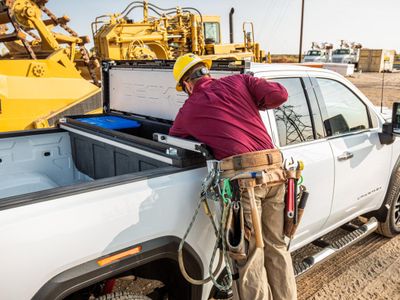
(290, 167)
(293, 172)
(290, 198)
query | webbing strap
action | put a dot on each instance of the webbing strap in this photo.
(252, 159)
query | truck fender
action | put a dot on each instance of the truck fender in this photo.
(88, 273)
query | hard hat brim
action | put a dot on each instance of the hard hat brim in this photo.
(207, 62)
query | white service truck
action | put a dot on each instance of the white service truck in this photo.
(319, 53)
(82, 203)
(347, 53)
(314, 56)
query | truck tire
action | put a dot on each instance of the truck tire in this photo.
(391, 226)
(122, 296)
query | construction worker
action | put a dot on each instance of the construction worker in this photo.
(224, 115)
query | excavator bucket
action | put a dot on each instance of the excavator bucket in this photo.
(39, 80)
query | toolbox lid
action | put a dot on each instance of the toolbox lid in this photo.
(111, 122)
(147, 88)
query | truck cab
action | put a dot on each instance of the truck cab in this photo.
(344, 56)
(315, 56)
(330, 125)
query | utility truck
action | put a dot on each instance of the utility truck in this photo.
(111, 195)
(319, 53)
(347, 53)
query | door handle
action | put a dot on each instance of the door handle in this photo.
(345, 155)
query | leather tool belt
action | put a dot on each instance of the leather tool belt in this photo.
(269, 161)
(251, 160)
(266, 162)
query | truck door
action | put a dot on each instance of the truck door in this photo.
(297, 130)
(361, 163)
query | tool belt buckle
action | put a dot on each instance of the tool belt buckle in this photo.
(237, 163)
(213, 164)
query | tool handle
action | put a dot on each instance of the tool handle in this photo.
(290, 198)
(303, 200)
(255, 218)
(295, 203)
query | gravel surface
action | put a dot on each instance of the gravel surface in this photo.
(367, 270)
(136, 285)
(371, 85)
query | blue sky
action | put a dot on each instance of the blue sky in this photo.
(375, 24)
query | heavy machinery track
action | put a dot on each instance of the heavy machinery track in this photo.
(315, 283)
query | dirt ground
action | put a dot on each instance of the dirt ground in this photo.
(371, 85)
(368, 270)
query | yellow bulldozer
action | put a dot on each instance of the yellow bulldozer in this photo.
(39, 77)
(167, 34)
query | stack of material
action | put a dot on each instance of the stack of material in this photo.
(342, 69)
(376, 60)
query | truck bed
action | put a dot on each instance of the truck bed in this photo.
(37, 162)
(79, 154)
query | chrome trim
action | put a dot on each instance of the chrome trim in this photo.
(337, 246)
(345, 156)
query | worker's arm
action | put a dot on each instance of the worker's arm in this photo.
(178, 128)
(266, 94)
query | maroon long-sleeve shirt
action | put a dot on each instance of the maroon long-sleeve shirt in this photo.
(224, 114)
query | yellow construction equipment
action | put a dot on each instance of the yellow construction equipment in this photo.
(168, 35)
(39, 80)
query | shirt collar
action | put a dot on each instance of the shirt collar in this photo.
(199, 83)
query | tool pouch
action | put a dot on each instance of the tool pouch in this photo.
(235, 233)
(292, 228)
(289, 227)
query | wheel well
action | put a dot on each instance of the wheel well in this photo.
(381, 213)
(165, 270)
(158, 260)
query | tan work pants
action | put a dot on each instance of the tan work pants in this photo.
(267, 273)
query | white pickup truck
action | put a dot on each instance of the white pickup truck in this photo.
(81, 203)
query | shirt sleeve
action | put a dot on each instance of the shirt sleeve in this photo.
(266, 94)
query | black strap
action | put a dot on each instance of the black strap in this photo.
(235, 276)
(199, 73)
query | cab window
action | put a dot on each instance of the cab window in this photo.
(211, 32)
(341, 51)
(314, 53)
(342, 111)
(293, 119)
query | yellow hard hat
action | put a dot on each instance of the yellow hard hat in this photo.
(184, 63)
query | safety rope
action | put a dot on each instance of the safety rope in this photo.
(211, 191)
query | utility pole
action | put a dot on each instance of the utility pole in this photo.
(301, 30)
(385, 62)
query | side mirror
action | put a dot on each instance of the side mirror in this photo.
(396, 118)
(386, 137)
